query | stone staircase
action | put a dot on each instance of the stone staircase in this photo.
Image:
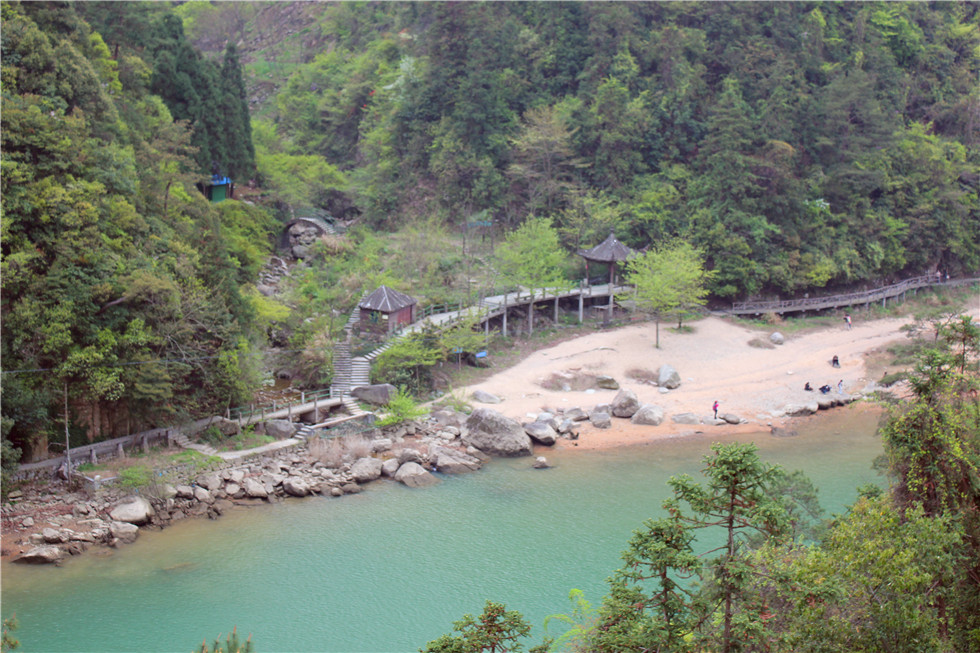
(305, 432)
(184, 443)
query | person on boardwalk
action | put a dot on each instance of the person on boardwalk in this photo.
(847, 320)
(714, 407)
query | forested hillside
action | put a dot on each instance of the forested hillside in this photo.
(125, 292)
(801, 145)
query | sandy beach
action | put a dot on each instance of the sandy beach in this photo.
(715, 363)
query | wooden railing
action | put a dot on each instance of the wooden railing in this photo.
(847, 299)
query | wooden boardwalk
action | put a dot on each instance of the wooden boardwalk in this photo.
(846, 300)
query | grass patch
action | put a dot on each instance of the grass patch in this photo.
(761, 343)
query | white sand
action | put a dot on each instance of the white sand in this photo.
(715, 362)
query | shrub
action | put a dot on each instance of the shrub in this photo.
(230, 645)
(401, 408)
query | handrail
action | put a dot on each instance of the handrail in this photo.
(845, 299)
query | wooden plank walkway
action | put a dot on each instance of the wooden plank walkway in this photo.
(846, 300)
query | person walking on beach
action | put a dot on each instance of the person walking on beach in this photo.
(840, 387)
(847, 319)
(715, 408)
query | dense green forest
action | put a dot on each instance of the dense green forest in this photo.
(796, 146)
(801, 145)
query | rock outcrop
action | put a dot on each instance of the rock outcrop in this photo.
(495, 434)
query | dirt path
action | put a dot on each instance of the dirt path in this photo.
(715, 362)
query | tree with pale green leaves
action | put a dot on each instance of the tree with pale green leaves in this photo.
(668, 280)
(532, 257)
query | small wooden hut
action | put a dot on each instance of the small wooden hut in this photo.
(385, 310)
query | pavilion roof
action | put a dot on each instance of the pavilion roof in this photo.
(386, 300)
(608, 251)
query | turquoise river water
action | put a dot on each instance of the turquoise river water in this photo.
(391, 568)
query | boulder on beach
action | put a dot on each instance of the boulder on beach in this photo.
(625, 403)
(600, 420)
(648, 415)
(41, 555)
(135, 510)
(453, 461)
(254, 489)
(730, 418)
(414, 475)
(295, 486)
(667, 377)
(124, 532)
(541, 432)
(777, 338)
(685, 418)
(576, 414)
(495, 434)
(365, 470)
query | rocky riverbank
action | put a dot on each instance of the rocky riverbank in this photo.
(44, 523)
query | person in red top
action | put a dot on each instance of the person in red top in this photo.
(715, 408)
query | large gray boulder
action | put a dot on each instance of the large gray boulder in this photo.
(576, 414)
(365, 470)
(414, 475)
(41, 555)
(667, 377)
(254, 489)
(541, 432)
(135, 510)
(203, 495)
(380, 394)
(730, 418)
(495, 434)
(685, 418)
(485, 397)
(280, 429)
(453, 461)
(625, 403)
(124, 532)
(776, 338)
(648, 415)
(295, 486)
(600, 420)
(798, 410)
(409, 456)
(389, 467)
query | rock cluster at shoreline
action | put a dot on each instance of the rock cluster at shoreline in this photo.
(52, 525)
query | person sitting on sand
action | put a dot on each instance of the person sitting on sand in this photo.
(835, 362)
(825, 388)
(807, 387)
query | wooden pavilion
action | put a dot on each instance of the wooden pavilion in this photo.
(610, 251)
(385, 310)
